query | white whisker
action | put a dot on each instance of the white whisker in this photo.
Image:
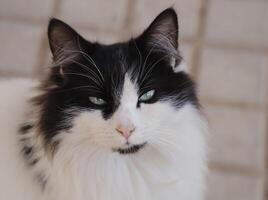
(89, 57)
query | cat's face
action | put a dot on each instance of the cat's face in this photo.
(120, 97)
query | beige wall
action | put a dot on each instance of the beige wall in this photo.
(225, 43)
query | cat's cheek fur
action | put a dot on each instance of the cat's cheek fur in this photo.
(174, 158)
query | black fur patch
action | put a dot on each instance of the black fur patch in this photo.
(25, 128)
(28, 152)
(131, 149)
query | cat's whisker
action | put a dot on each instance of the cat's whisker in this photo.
(94, 75)
(89, 57)
(145, 76)
(62, 60)
(83, 75)
(82, 66)
(155, 135)
(93, 89)
(158, 43)
(140, 57)
(88, 70)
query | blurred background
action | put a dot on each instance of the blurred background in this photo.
(224, 42)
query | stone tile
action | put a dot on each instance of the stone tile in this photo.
(264, 25)
(222, 186)
(103, 37)
(102, 14)
(44, 63)
(30, 9)
(147, 10)
(237, 136)
(48, 59)
(232, 75)
(20, 43)
(239, 22)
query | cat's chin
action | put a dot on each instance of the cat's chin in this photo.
(130, 148)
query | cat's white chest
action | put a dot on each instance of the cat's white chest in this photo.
(112, 177)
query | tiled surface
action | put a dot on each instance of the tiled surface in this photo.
(27, 9)
(224, 43)
(186, 49)
(237, 136)
(106, 15)
(146, 10)
(237, 76)
(20, 44)
(223, 186)
(100, 36)
(239, 22)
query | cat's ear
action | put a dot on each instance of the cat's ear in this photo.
(162, 34)
(64, 41)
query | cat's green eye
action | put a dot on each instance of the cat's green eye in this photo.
(97, 101)
(147, 95)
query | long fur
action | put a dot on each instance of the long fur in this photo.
(57, 145)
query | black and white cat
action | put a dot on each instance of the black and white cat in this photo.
(110, 122)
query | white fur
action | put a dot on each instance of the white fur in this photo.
(181, 67)
(15, 180)
(171, 166)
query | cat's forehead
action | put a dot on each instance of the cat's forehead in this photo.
(129, 92)
(116, 61)
(111, 54)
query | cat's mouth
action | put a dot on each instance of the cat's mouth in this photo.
(130, 149)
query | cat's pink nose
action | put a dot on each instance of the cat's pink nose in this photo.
(125, 130)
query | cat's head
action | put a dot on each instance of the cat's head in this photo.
(120, 97)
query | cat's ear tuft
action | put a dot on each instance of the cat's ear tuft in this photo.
(64, 41)
(163, 31)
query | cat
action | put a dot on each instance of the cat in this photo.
(109, 122)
